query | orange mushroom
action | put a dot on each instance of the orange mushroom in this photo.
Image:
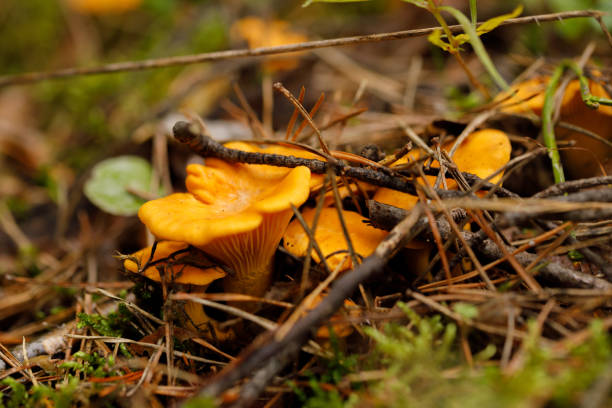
(330, 238)
(179, 266)
(481, 153)
(236, 213)
(261, 33)
(315, 179)
(528, 96)
(337, 322)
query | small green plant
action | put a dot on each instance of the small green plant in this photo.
(40, 395)
(320, 396)
(112, 325)
(93, 365)
(421, 366)
(446, 40)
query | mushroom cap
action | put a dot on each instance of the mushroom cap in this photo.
(224, 199)
(178, 269)
(524, 97)
(265, 170)
(330, 238)
(481, 153)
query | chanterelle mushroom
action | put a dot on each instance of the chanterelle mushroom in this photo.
(236, 213)
(584, 159)
(260, 33)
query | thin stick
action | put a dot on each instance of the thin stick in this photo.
(312, 113)
(279, 87)
(267, 349)
(262, 51)
(294, 115)
(204, 145)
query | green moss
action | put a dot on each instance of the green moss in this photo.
(416, 360)
(112, 325)
(39, 395)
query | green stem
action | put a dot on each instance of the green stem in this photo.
(477, 45)
(589, 99)
(548, 131)
(473, 13)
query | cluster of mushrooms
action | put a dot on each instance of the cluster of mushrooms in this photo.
(236, 215)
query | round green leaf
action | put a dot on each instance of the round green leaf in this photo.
(111, 181)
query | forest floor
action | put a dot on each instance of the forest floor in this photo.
(453, 246)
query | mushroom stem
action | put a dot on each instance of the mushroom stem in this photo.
(250, 254)
(200, 322)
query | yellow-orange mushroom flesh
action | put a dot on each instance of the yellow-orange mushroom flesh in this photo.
(261, 33)
(481, 153)
(584, 160)
(187, 268)
(330, 238)
(184, 267)
(234, 212)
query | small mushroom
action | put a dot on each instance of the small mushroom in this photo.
(180, 266)
(528, 97)
(337, 322)
(235, 213)
(185, 267)
(261, 33)
(481, 153)
(330, 238)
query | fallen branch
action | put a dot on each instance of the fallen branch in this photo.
(573, 186)
(550, 271)
(190, 134)
(274, 353)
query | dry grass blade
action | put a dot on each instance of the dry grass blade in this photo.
(294, 115)
(265, 323)
(312, 114)
(279, 87)
(119, 340)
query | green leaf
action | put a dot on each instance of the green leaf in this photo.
(494, 22)
(111, 181)
(489, 25)
(575, 255)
